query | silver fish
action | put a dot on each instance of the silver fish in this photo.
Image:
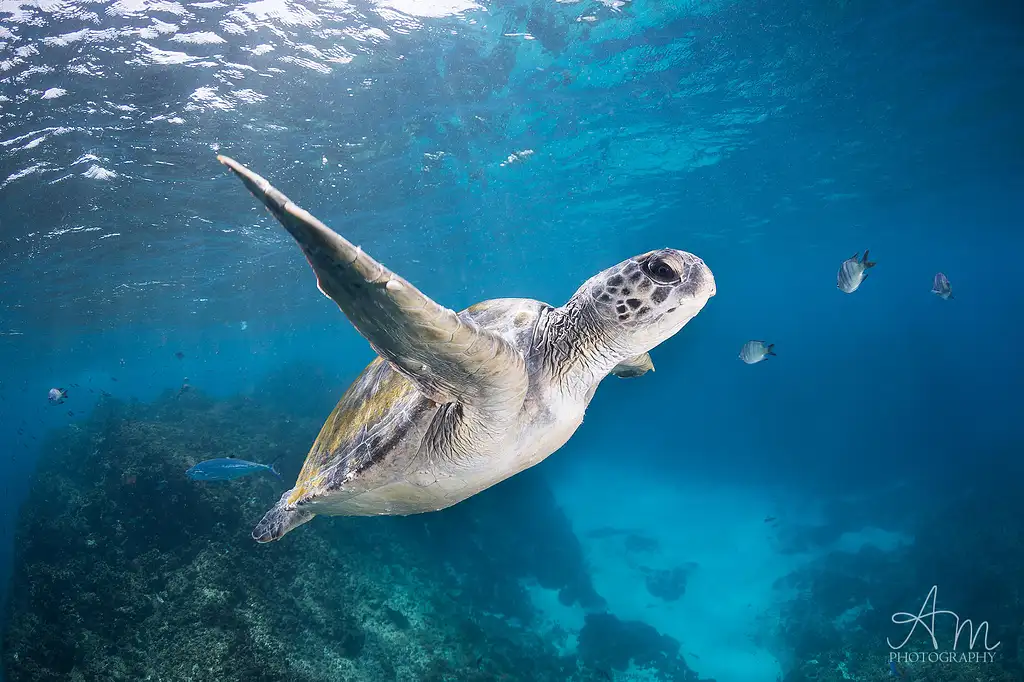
(226, 469)
(756, 351)
(853, 272)
(57, 396)
(942, 288)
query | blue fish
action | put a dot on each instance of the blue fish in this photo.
(226, 469)
(895, 672)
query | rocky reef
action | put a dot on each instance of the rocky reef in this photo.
(669, 584)
(126, 570)
(970, 548)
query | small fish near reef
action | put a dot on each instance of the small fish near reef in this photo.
(853, 272)
(754, 352)
(941, 287)
(894, 671)
(227, 469)
(57, 396)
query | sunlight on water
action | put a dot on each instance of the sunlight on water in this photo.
(430, 8)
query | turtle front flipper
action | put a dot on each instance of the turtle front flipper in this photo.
(280, 519)
(448, 359)
(634, 367)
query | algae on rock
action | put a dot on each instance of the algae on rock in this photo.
(126, 570)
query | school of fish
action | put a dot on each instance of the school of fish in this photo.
(852, 273)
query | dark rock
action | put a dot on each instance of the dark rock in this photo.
(670, 584)
(607, 643)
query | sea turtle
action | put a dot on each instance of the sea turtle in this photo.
(456, 403)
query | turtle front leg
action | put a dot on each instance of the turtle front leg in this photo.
(634, 367)
(280, 519)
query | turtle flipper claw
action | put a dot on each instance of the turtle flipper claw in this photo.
(279, 521)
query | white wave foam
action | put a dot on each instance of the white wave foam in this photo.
(198, 38)
(86, 35)
(307, 63)
(248, 96)
(280, 11)
(431, 9)
(17, 175)
(208, 98)
(260, 49)
(142, 8)
(96, 172)
(157, 56)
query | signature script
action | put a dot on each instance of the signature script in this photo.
(926, 619)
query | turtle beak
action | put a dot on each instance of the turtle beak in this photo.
(700, 275)
(710, 278)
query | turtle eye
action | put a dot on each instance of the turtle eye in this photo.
(660, 271)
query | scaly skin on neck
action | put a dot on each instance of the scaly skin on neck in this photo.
(578, 348)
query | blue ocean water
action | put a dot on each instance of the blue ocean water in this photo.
(493, 149)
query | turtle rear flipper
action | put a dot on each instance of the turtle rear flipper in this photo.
(279, 520)
(448, 359)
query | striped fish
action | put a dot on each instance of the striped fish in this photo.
(853, 272)
(942, 288)
(756, 351)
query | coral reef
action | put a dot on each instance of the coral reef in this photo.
(126, 570)
(609, 643)
(970, 547)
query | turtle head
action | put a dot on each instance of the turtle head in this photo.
(645, 300)
(621, 313)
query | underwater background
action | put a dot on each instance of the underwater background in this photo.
(709, 521)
